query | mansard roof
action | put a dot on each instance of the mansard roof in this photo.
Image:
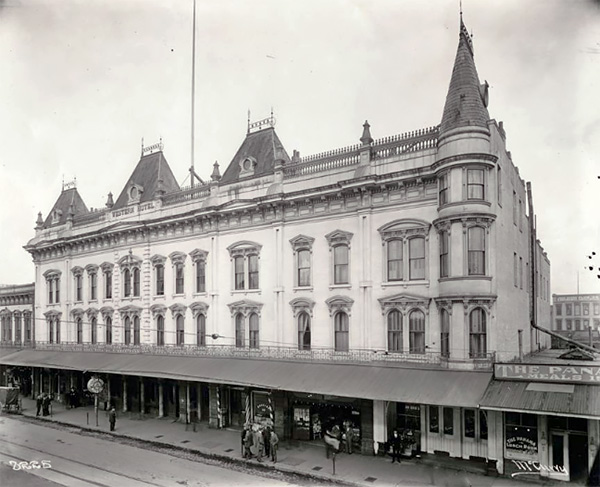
(263, 147)
(465, 105)
(145, 176)
(69, 200)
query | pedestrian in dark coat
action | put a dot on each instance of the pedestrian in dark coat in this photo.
(248, 444)
(38, 403)
(112, 418)
(260, 445)
(349, 438)
(46, 404)
(395, 443)
(274, 445)
(266, 439)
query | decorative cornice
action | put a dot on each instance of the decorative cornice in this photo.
(467, 219)
(106, 266)
(474, 158)
(129, 260)
(91, 268)
(404, 228)
(158, 310)
(52, 314)
(107, 311)
(77, 312)
(91, 313)
(244, 248)
(130, 310)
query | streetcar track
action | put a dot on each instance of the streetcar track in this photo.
(87, 465)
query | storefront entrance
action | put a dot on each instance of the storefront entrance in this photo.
(569, 445)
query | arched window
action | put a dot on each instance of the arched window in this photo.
(180, 330)
(240, 339)
(136, 281)
(416, 324)
(254, 331)
(445, 333)
(50, 330)
(394, 260)
(136, 330)
(94, 330)
(108, 323)
(201, 330)
(127, 328)
(476, 246)
(160, 330)
(126, 283)
(303, 331)
(477, 333)
(79, 331)
(341, 332)
(340, 264)
(394, 324)
(416, 256)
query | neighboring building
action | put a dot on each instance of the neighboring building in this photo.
(576, 316)
(369, 284)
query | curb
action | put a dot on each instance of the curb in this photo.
(204, 454)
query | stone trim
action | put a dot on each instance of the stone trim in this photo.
(339, 303)
(245, 307)
(300, 305)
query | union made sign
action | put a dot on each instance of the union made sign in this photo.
(585, 374)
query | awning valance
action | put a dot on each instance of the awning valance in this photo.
(389, 383)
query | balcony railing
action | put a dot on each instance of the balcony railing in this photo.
(326, 355)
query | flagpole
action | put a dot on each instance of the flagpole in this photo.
(192, 172)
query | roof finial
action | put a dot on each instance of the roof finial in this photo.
(460, 7)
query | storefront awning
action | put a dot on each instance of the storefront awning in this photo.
(543, 398)
(390, 383)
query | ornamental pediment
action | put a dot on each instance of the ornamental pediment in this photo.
(302, 242)
(177, 309)
(245, 306)
(199, 307)
(129, 260)
(339, 303)
(339, 237)
(404, 228)
(76, 312)
(403, 302)
(198, 255)
(302, 304)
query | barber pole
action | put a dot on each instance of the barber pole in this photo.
(271, 415)
(219, 413)
(248, 419)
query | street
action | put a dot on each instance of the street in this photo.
(67, 458)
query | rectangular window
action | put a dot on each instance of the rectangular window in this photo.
(558, 325)
(569, 309)
(340, 264)
(577, 325)
(469, 424)
(596, 309)
(448, 421)
(303, 268)
(394, 260)
(27, 328)
(160, 280)
(586, 324)
(558, 309)
(253, 272)
(254, 331)
(179, 279)
(515, 207)
(476, 243)
(416, 256)
(444, 189)
(521, 272)
(136, 282)
(57, 290)
(569, 324)
(515, 270)
(50, 285)
(520, 216)
(200, 277)
(444, 253)
(445, 333)
(78, 291)
(238, 264)
(108, 285)
(483, 426)
(475, 184)
(434, 419)
(577, 310)
(499, 185)
(93, 286)
(586, 309)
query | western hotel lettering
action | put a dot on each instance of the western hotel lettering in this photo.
(589, 374)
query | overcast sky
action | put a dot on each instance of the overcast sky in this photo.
(82, 81)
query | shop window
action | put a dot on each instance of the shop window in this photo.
(127, 330)
(444, 261)
(416, 256)
(469, 423)
(341, 332)
(475, 184)
(448, 421)
(483, 425)
(475, 424)
(240, 338)
(477, 333)
(254, 331)
(304, 338)
(434, 419)
(445, 333)
(521, 435)
(201, 330)
(476, 250)
(160, 330)
(136, 330)
(408, 416)
(444, 188)
(108, 331)
(394, 322)
(558, 309)
(180, 330)
(94, 330)
(416, 323)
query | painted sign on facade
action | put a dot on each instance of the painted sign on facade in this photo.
(586, 374)
(531, 467)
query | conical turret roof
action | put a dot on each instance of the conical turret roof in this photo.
(466, 100)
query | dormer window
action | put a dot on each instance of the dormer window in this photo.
(135, 193)
(247, 166)
(56, 214)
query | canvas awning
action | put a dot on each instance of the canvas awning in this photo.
(390, 383)
(558, 399)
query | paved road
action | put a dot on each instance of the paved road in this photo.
(88, 460)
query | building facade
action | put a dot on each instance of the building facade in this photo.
(576, 316)
(368, 286)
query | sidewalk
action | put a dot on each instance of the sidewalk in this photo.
(297, 457)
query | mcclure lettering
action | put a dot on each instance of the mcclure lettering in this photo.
(589, 374)
(532, 467)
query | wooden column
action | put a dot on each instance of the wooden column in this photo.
(124, 394)
(142, 402)
(161, 404)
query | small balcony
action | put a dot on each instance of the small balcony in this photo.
(322, 355)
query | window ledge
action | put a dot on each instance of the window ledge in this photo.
(159, 296)
(421, 282)
(245, 291)
(340, 286)
(181, 295)
(93, 301)
(461, 203)
(465, 278)
(203, 294)
(303, 288)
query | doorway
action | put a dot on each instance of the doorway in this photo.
(578, 457)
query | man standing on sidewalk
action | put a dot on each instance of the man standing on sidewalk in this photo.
(273, 443)
(395, 442)
(112, 418)
(38, 403)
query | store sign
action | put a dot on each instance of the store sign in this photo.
(562, 299)
(521, 444)
(587, 374)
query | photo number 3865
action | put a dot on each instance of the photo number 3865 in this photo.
(34, 464)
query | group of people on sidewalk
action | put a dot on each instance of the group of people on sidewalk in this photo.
(259, 441)
(338, 440)
(42, 403)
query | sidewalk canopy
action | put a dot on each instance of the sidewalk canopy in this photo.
(389, 383)
(543, 398)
